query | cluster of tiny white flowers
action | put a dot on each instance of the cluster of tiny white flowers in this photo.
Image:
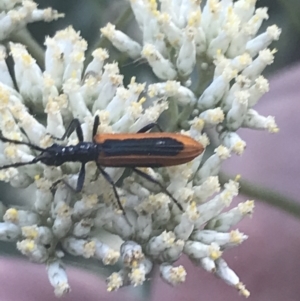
(16, 14)
(209, 61)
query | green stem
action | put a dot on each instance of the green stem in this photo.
(265, 195)
(171, 116)
(292, 9)
(24, 37)
(184, 117)
(204, 77)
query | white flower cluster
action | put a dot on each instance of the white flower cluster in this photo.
(16, 14)
(220, 42)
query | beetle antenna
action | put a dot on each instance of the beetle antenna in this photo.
(18, 164)
(22, 143)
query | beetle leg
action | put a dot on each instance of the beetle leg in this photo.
(150, 179)
(74, 125)
(149, 127)
(96, 124)
(80, 180)
(79, 185)
(111, 182)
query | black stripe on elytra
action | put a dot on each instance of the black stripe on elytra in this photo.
(142, 146)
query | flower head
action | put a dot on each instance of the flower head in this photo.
(159, 225)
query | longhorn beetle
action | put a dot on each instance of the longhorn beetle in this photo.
(141, 149)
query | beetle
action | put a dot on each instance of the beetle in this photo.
(141, 149)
